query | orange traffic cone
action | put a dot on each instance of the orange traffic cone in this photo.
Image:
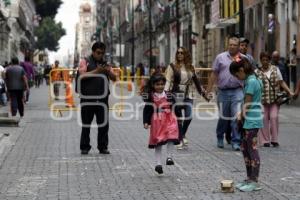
(129, 86)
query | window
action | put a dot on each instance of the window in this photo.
(87, 36)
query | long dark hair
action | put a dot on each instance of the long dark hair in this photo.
(149, 87)
(243, 63)
(187, 59)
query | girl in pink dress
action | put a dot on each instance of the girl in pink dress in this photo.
(159, 116)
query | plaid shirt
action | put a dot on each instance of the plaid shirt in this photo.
(270, 89)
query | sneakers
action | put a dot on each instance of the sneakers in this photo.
(236, 147)
(185, 141)
(249, 187)
(84, 152)
(228, 138)
(183, 144)
(159, 169)
(220, 143)
(179, 146)
(241, 184)
(104, 151)
(275, 144)
(266, 145)
(169, 161)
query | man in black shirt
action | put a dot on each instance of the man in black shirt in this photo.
(93, 89)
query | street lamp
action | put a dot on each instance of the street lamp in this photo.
(177, 24)
(132, 50)
(150, 33)
(241, 15)
(120, 45)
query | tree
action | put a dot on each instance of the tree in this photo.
(47, 8)
(49, 33)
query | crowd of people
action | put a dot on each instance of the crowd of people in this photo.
(247, 97)
(17, 78)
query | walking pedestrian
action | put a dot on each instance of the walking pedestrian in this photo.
(16, 81)
(140, 73)
(68, 79)
(251, 116)
(230, 93)
(56, 78)
(3, 99)
(93, 88)
(273, 81)
(244, 42)
(159, 116)
(47, 74)
(28, 67)
(281, 66)
(181, 80)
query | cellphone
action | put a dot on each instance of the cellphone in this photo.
(102, 64)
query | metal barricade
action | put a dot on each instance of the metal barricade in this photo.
(61, 77)
(65, 77)
(126, 83)
(136, 83)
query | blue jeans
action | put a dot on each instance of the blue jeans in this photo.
(229, 103)
(184, 115)
(3, 99)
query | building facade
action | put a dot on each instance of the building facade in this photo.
(17, 21)
(4, 32)
(85, 29)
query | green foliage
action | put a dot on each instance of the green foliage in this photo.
(6, 2)
(47, 8)
(49, 33)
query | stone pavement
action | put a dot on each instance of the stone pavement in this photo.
(41, 160)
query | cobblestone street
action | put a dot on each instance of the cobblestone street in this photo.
(41, 160)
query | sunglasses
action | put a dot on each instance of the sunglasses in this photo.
(179, 52)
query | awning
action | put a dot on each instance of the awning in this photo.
(222, 23)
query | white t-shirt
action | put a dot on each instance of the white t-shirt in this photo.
(184, 77)
(279, 75)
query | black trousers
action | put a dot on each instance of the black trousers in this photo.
(88, 111)
(16, 102)
(184, 119)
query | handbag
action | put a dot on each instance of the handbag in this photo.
(281, 97)
(178, 93)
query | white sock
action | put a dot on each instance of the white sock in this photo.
(157, 154)
(170, 146)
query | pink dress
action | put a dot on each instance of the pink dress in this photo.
(164, 127)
